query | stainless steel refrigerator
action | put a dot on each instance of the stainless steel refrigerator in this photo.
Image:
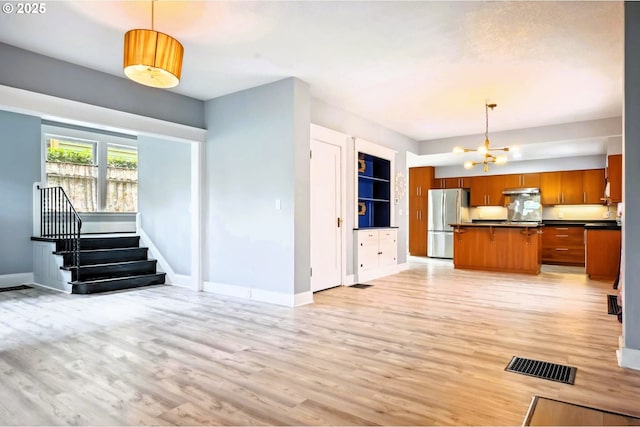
(445, 207)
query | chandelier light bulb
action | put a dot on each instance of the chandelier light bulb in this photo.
(468, 164)
(501, 160)
(458, 150)
(482, 150)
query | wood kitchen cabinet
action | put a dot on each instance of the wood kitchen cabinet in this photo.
(522, 180)
(457, 182)
(563, 245)
(603, 253)
(420, 181)
(487, 190)
(571, 187)
(593, 183)
(614, 177)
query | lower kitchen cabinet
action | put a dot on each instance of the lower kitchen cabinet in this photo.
(375, 251)
(603, 253)
(563, 245)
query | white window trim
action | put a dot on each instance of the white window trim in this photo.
(102, 142)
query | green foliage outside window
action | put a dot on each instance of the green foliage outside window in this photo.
(121, 162)
(62, 155)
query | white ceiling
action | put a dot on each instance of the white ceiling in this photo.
(421, 68)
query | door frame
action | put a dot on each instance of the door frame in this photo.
(338, 139)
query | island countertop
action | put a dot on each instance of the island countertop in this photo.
(498, 224)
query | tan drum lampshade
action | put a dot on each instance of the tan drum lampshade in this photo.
(152, 58)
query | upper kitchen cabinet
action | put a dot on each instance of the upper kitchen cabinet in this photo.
(614, 176)
(522, 180)
(461, 182)
(593, 183)
(571, 187)
(420, 181)
(487, 190)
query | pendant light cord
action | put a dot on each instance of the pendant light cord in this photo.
(152, 15)
(486, 115)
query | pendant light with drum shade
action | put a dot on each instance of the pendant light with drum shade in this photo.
(152, 58)
(484, 150)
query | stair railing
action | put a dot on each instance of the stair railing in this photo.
(59, 220)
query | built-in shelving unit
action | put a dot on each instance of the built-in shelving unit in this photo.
(374, 191)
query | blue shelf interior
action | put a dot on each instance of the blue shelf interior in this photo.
(374, 191)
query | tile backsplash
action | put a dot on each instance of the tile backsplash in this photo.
(568, 212)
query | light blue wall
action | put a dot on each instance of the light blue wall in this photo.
(19, 169)
(38, 73)
(257, 152)
(164, 198)
(631, 193)
(343, 121)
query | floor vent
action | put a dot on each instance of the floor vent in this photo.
(545, 370)
(15, 288)
(612, 304)
(361, 286)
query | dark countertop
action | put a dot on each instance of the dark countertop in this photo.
(496, 224)
(373, 228)
(604, 224)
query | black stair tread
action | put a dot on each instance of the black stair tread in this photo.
(87, 251)
(117, 279)
(109, 264)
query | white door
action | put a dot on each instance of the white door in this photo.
(326, 226)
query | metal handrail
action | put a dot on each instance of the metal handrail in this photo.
(59, 220)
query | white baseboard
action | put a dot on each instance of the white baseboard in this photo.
(16, 279)
(388, 270)
(349, 279)
(260, 295)
(271, 297)
(303, 298)
(51, 288)
(181, 281)
(226, 289)
(628, 358)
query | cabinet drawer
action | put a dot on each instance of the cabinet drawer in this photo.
(563, 255)
(562, 236)
(388, 234)
(368, 238)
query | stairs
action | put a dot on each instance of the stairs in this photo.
(110, 264)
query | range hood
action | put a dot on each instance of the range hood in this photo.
(528, 190)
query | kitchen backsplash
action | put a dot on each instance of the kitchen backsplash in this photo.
(577, 212)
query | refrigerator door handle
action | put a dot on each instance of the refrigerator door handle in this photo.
(444, 210)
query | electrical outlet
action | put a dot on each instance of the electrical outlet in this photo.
(606, 215)
(560, 215)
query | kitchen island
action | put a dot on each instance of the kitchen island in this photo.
(504, 247)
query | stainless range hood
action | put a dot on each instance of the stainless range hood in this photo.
(528, 190)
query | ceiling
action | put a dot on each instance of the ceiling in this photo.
(421, 68)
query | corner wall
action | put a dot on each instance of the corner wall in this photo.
(257, 192)
(20, 143)
(164, 198)
(629, 352)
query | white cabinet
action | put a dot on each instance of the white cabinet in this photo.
(376, 249)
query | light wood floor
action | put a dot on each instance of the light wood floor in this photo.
(427, 346)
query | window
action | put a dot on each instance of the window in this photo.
(99, 172)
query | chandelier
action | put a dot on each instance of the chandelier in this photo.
(484, 150)
(152, 58)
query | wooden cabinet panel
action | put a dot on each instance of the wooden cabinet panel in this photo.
(522, 180)
(420, 181)
(550, 188)
(563, 245)
(571, 188)
(603, 254)
(487, 190)
(593, 183)
(495, 187)
(515, 250)
(614, 176)
(455, 182)
(478, 191)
